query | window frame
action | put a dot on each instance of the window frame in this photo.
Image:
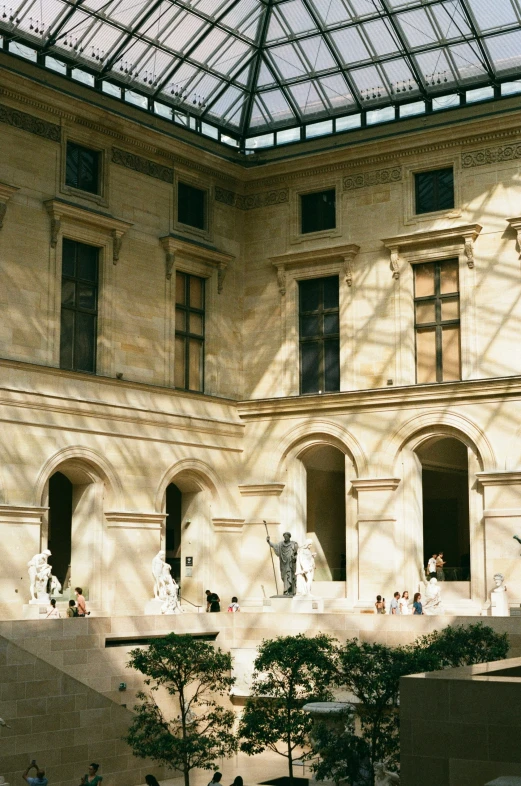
(433, 163)
(186, 335)
(85, 141)
(82, 148)
(185, 229)
(295, 199)
(418, 175)
(439, 323)
(302, 197)
(76, 309)
(320, 341)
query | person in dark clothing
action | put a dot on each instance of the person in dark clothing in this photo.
(214, 601)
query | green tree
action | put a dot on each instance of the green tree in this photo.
(463, 646)
(342, 754)
(194, 673)
(290, 671)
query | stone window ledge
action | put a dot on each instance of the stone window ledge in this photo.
(322, 261)
(194, 258)
(408, 246)
(6, 192)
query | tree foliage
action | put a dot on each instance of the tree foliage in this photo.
(194, 673)
(463, 646)
(290, 671)
(343, 755)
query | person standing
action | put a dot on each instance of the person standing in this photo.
(72, 611)
(394, 607)
(207, 593)
(52, 611)
(215, 602)
(440, 562)
(380, 605)
(234, 605)
(431, 567)
(92, 778)
(404, 603)
(39, 780)
(217, 776)
(80, 602)
(416, 604)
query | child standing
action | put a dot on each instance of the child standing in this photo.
(234, 605)
(380, 605)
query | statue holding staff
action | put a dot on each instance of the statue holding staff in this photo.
(286, 551)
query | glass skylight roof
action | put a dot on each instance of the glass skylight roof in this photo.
(254, 66)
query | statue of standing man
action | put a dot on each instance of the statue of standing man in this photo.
(286, 551)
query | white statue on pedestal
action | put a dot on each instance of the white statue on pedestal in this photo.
(39, 573)
(305, 568)
(433, 604)
(56, 587)
(383, 777)
(169, 592)
(158, 564)
(499, 598)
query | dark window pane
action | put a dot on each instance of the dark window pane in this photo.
(309, 326)
(68, 293)
(196, 292)
(87, 262)
(309, 365)
(434, 190)
(310, 295)
(332, 365)
(318, 211)
(68, 257)
(331, 324)
(179, 366)
(426, 355)
(424, 280)
(180, 320)
(82, 168)
(196, 324)
(189, 352)
(66, 338)
(85, 341)
(451, 354)
(195, 352)
(191, 206)
(180, 288)
(331, 292)
(449, 277)
(87, 296)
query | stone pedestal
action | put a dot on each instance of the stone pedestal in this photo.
(332, 713)
(298, 604)
(153, 607)
(34, 610)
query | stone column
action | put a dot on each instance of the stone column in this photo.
(379, 557)
(20, 535)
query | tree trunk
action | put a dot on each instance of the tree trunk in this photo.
(290, 764)
(186, 774)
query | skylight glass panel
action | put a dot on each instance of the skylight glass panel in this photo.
(350, 45)
(181, 33)
(467, 61)
(307, 98)
(370, 84)
(276, 32)
(505, 51)
(277, 106)
(333, 12)
(265, 76)
(417, 28)
(502, 16)
(294, 16)
(287, 61)
(243, 18)
(435, 69)
(367, 8)
(451, 20)
(259, 115)
(380, 38)
(316, 53)
(336, 91)
(226, 101)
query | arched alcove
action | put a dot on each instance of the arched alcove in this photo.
(326, 509)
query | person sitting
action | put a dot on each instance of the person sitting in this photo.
(234, 605)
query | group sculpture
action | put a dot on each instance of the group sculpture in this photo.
(297, 565)
(433, 604)
(42, 582)
(166, 588)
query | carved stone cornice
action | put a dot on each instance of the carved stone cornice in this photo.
(374, 178)
(143, 165)
(252, 201)
(61, 211)
(6, 192)
(463, 234)
(228, 525)
(491, 155)
(500, 478)
(515, 223)
(376, 484)
(175, 248)
(30, 123)
(134, 520)
(261, 489)
(345, 255)
(22, 514)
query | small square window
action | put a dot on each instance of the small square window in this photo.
(318, 211)
(434, 190)
(82, 168)
(191, 206)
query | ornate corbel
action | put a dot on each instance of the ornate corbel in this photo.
(515, 223)
(6, 192)
(117, 240)
(221, 274)
(469, 251)
(349, 258)
(395, 262)
(169, 264)
(55, 231)
(281, 279)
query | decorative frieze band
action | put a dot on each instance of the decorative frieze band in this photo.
(25, 122)
(490, 155)
(375, 178)
(143, 165)
(251, 201)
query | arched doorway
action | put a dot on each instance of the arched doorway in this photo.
(60, 526)
(445, 503)
(174, 514)
(326, 510)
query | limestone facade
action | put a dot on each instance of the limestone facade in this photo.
(243, 451)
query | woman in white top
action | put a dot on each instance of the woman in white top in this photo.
(404, 603)
(52, 611)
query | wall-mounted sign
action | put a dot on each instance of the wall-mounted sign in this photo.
(189, 562)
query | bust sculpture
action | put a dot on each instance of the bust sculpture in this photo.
(499, 598)
(304, 568)
(433, 604)
(39, 574)
(286, 551)
(383, 777)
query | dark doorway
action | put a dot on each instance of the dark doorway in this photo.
(60, 525)
(174, 499)
(445, 487)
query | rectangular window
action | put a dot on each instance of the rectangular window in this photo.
(318, 211)
(434, 190)
(191, 206)
(79, 309)
(437, 322)
(189, 332)
(319, 335)
(82, 168)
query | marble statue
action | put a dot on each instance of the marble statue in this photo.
(169, 592)
(304, 568)
(383, 777)
(158, 564)
(286, 551)
(499, 598)
(39, 574)
(433, 604)
(56, 587)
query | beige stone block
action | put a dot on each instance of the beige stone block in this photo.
(95, 716)
(40, 688)
(74, 658)
(74, 753)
